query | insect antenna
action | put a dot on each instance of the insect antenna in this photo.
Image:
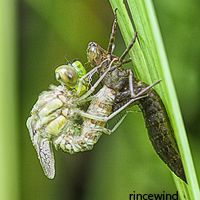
(67, 60)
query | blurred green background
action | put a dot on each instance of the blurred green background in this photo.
(49, 31)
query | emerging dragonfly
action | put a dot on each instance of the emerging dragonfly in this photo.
(157, 122)
(55, 116)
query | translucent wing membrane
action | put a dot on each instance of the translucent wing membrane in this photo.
(46, 156)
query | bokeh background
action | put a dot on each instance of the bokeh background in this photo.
(49, 31)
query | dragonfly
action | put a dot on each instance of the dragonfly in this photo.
(54, 114)
(127, 86)
(55, 117)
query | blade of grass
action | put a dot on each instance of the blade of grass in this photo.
(154, 67)
(9, 159)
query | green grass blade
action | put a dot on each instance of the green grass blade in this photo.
(151, 64)
(9, 159)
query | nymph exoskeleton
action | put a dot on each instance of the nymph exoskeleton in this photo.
(127, 86)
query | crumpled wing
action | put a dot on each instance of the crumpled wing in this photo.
(43, 147)
(46, 156)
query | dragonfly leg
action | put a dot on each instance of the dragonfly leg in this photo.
(92, 89)
(131, 82)
(81, 80)
(90, 116)
(140, 95)
(129, 47)
(108, 131)
(89, 74)
(99, 118)
(126, 61)
(111, 44)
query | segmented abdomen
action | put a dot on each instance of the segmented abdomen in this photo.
(158, 125)
(100, 106)
(160, 130)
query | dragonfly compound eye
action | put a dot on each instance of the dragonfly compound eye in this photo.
(79, 68)
(94, 54)
(66, 75)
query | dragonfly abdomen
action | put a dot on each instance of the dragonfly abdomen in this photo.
(100, 106)
(160, 132)
(91, 131)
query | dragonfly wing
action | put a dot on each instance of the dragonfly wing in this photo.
(46, 156)
(43, 147)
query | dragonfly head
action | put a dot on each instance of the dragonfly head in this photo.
(95, 54)
(66, 75)
(70, 74)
